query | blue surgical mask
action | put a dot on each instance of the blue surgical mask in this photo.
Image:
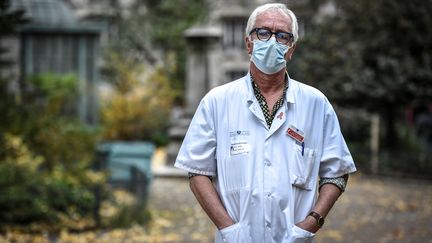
(269, 56)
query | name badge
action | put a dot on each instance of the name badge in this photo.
(296, 134)
(239, 148)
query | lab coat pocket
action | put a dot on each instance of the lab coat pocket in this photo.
(301, 168)
(236, 233)
(300, 235)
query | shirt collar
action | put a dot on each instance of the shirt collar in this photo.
(289, 96)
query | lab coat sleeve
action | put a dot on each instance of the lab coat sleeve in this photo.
(336, 159)
(197, 153)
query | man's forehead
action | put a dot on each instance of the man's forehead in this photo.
(273, 19)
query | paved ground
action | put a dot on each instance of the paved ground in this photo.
(372, 210)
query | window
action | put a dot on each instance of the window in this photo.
(59, 54)
(62, 53)
(233, 33)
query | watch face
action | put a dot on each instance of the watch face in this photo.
(321, 221)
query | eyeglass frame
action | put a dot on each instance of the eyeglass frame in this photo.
(255, 30)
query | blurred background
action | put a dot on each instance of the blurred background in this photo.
(96, 97)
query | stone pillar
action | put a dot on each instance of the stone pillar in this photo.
(202, 43)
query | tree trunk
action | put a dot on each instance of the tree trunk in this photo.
(374, 142)
(390, 135)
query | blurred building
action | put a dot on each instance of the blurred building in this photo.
(54, 41)
(217, 52)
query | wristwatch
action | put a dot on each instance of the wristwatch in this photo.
(318, 217)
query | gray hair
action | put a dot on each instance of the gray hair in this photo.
(273, 6)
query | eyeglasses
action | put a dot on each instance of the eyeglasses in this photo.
(265, 34)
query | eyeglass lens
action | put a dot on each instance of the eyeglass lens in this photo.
(281, 37)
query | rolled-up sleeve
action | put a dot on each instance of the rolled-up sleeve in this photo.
(197, 152)
(336, 159)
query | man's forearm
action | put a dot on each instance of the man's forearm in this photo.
(209, 200)
(328, 195)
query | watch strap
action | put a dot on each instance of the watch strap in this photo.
(318, 217)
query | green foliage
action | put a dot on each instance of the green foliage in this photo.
(171, 18)
(129, 215)
(122, 71)
(413, 161)
(52, 86)
(31, 194)
(375, 54)
(397, 44)
(19, 182)
(53, 94)
(152, 32)
(160, 139)
(46, 122)
(141, 112)
(323, 60)
(144, 62)
(64, 141)
(160, 22)
(46, 155)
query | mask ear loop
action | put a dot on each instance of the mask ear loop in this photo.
(292, 43)
(251, 43)
(290, 46)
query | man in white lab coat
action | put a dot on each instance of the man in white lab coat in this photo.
(265, 154)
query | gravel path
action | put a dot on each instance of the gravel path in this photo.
(371, 210)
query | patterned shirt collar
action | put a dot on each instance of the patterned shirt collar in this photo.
(268, 115)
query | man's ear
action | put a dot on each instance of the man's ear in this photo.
(290, 52)
(249, 45)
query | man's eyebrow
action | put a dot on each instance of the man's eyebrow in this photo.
(277, 30)
(281, 30)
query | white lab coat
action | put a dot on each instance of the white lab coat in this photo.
(266, 179)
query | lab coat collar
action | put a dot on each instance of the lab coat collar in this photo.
(290, 94)
(250, 92)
